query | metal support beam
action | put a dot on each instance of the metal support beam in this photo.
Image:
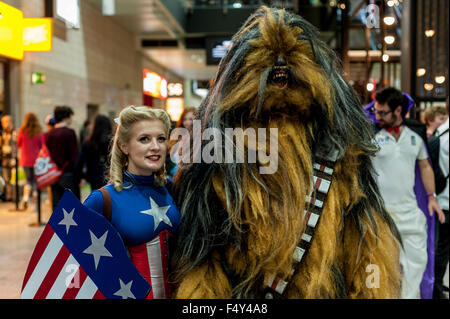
(345, 45)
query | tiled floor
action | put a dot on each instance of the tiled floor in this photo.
(17, 241)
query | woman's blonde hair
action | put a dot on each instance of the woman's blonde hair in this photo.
(119, 160)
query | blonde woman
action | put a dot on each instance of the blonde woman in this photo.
(141, 208)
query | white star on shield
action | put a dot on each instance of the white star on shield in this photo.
(159, 214)
(125, 290)
(68, 220)
(97, 248)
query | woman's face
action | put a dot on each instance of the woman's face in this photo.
(188, 120)
(438, 120)
(146, 148)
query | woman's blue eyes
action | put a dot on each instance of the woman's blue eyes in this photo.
(146, 139)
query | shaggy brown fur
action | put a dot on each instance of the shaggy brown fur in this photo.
(265, 219)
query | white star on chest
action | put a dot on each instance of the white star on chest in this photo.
(97, 248)
(159, 214)
(68, 220)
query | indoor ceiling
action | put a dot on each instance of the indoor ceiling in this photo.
(149, 19)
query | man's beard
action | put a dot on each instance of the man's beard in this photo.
(386, 124)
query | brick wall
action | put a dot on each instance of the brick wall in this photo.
(95, 64)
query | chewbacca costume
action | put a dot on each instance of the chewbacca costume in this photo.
(240, 228)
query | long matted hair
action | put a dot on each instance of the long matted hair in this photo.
(278, 73)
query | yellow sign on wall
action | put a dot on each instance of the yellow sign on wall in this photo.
(37, 34)
(11, 39)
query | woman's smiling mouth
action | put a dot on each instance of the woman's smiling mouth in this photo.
(154, 158)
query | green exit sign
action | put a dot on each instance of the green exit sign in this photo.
(37, 78)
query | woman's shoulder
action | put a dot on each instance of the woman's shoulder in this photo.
(95, 200)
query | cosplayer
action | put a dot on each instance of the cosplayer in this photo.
(142, 210)
(288, 234)
(407, 189)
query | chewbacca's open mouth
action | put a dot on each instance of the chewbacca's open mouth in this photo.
(279, 76)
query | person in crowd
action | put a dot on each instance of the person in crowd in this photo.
(63, 147)
(93, 157)
(142, 210)
(85, 131)
(185, 121)
(442, 249)
(50, 125)
(8, 154)
(50, 122)
(29, 141)
(400, 148)
(434, 116)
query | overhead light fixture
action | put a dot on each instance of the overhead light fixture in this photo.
(391, 3)
(389, 39)
(421, 72)
(428, 86)
(370, 87)
(389, 20)
(237, 5)
(439, 79)
(429, 33)
(385, 57)
(108, 7)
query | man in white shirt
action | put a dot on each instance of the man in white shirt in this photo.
(442, 249)
(400, 148)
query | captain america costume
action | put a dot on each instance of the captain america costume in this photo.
(145, 216)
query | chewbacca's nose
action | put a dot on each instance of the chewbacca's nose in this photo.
(280, 61)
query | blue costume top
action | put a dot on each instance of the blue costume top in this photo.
(140, 211)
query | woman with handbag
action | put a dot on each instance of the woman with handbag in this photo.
(29, 141)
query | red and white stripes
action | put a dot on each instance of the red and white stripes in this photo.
(53, 273)
(151, 259)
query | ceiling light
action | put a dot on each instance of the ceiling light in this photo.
(391, 3)
(237, 5)
(389, 20)
(421, 72)
(428, 86)
(429, 33)
(439, 79)
(370, 87)
(108, 7)
(389, 39)
(385, 57)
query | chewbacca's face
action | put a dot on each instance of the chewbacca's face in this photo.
(278, 72)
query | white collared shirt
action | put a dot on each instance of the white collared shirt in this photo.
(395, 165)
(443, 197)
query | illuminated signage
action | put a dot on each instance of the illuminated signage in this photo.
(37, 34)
(18, 34)
(11, 44)
(37, 78)
(174, 107)
(175, 89)
(154, 84)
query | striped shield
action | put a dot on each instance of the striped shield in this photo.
(81, 256)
